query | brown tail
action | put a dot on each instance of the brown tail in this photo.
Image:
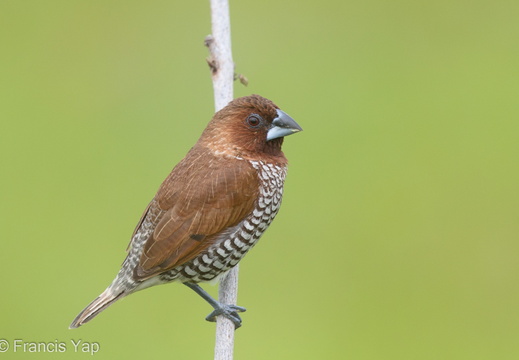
(104, 300)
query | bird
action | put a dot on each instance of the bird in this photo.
(211, 209)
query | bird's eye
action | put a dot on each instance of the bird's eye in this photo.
(254, 120)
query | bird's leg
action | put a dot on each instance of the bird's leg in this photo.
(229, 311)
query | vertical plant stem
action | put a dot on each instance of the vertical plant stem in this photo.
(220, 60)
(227, 294)
(222, 72)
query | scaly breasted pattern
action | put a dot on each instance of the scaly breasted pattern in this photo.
(212, 208)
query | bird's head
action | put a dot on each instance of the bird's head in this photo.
(249, 126)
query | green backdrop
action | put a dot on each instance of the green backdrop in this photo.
(398, 236)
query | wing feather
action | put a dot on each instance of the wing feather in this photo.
(200, 201)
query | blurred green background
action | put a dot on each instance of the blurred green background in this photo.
(398, 236)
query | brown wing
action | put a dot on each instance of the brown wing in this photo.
(202, 197)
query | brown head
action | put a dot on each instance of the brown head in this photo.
(248, 127)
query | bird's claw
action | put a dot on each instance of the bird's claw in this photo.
(229, 311)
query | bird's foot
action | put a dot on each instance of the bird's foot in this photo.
(229, 311)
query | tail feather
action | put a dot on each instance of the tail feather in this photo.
(104, 300)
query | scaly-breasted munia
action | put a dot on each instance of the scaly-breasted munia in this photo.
(211, 209)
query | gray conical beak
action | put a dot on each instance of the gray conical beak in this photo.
(282, 125)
